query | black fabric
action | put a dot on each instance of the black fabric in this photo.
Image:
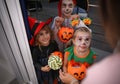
(40, 58)
(52, 1)
(34, 28)
(82, 4)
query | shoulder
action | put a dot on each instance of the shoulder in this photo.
(92, 52)
(69, 48)
(105, 71)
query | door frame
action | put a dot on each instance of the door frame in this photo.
(13, 24)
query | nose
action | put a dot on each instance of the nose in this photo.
(45, 35)
(83, 42)
(67, 8)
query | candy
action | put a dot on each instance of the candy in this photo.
(55, 62)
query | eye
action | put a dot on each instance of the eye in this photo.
(47, 32)
(41, 34)
(63, 5)
(80, 39)
(82, 73)
(71, 5)
(65, 33)
(76, 74)
(87, 39)
(70, 33)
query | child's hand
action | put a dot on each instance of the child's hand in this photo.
(67, 78)
(45, 68)
(59, 21)
(75, 16)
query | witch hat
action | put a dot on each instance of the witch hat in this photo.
(36, 26)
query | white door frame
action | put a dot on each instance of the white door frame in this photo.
(12, 21)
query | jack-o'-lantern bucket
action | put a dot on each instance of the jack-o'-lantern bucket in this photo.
(79, 72)
(65, 34)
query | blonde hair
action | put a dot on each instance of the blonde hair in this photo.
(80, 29)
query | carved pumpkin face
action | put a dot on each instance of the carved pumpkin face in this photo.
(65, 34)
(79, 72)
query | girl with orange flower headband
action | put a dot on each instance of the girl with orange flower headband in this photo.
(65, 18)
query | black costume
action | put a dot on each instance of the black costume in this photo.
(40, 58)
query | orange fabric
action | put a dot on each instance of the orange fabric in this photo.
(55, 81)
(86, 64)
(94, 56)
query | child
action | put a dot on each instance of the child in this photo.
(44, 45)
(80, 52)
(65, 9)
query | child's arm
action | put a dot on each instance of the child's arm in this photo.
(65, 61)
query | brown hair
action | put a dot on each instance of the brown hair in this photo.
(111, 20)
(46, 28)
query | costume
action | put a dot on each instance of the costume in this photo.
(40, 58)
(87, 61)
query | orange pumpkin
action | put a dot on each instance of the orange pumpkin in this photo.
(58, 53)
(79, 72)
(65, 34)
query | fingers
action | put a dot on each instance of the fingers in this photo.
(75, 16)
(61, 74)
(48, 68)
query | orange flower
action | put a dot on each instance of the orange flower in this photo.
(74, 22)
(87, 21)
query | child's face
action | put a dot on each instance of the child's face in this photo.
(44, 37)
(67, 7)
(82, 41)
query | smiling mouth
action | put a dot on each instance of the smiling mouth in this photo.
(45, 40)
(67, 12)
(83, 47)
